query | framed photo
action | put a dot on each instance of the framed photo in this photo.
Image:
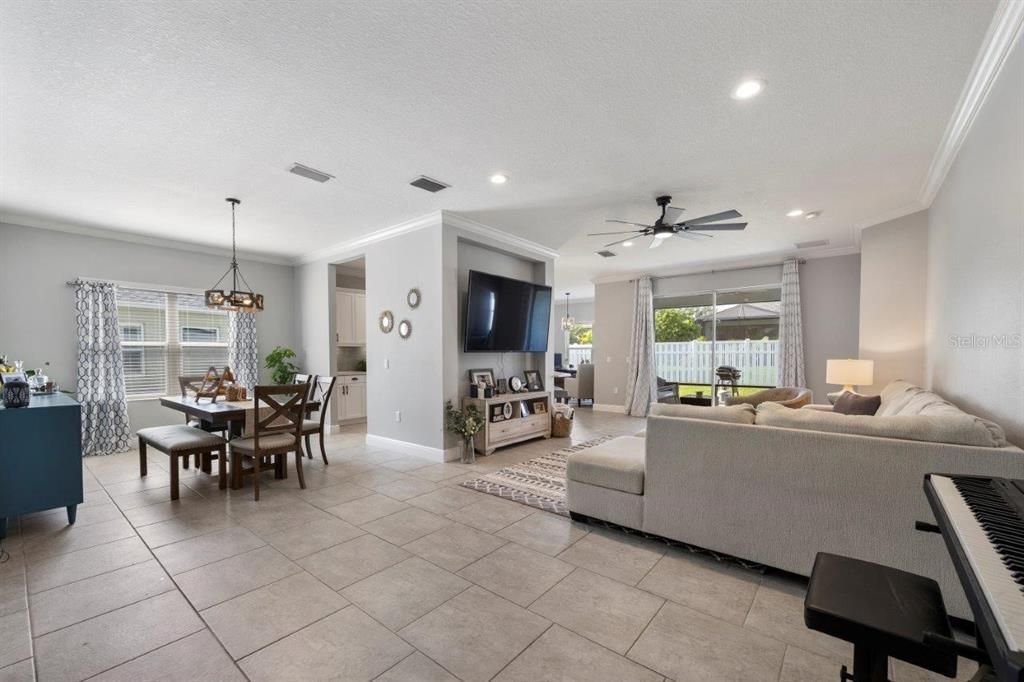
(13, 376)
(486, 375)
(502, 386)
(540, 407)
(498, 412)
(533, 381)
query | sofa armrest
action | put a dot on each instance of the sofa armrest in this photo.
(818, 407)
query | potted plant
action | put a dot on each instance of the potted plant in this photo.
(282, 369)
(465, 423)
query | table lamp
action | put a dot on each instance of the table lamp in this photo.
(849, 373)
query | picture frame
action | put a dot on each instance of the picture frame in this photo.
(540, 407)
(502, 386)
(533, 380)
(13, 376)
(486, 374)
(497, 412)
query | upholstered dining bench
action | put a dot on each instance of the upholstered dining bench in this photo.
(181, 440)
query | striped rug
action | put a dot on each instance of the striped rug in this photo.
(538, 482)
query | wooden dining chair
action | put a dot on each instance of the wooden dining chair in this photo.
(191, 382)
(274, 435)
(309, 380)
(323, 387)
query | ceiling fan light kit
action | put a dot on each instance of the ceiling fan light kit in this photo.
(669, 225)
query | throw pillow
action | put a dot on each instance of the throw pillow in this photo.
(854, 403)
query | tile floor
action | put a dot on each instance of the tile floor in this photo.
(382, 569)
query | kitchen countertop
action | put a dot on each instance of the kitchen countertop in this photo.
(349, 372)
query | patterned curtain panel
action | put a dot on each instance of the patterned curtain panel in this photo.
(791, 333)
(101, 390)
(641, 386)
(243, 352)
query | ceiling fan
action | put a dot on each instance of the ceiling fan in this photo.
(669, 225)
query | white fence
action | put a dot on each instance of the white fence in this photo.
(694, 362)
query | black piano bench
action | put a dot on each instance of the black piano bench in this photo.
(882, 611)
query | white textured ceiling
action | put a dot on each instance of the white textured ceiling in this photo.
(141, 116)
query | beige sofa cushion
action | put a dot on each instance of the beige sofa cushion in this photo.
(904, 399)
(617, 464)
(733, 414)
(961, 429)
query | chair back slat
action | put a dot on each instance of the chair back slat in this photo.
(288, 407)
(188, 382)
(324, 388)
(309, 380)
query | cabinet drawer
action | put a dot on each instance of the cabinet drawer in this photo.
(516, 427)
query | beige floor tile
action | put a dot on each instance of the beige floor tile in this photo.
(475, 634)
(455, 546)
(546, 533)
(24, 671)
(336, 494)
(905, 672)
(399, 595)
(183, 528)
(517, 573)
(716, 588)
(601, 609)
(417, 668)
(351, 561)
(86, 516)
(255, 619)
(348, 645)
(206, 549)
(491, 514)
(406, 463)
(405, 526)
(222, 580)
(293, 513)
(144, 498)
(50, 572)
(15, 639)
(71, 538)
(561, 655)
(375, 476)
(367, 509)
(778, 611)
(306, 539)
(78, 601)
(198, 657)
(613, 557)
(13, 593)
(440, 472)
(683, 644)
(98, 644)
(316, 477)
(405, 488)
(445, 500)
(803, 666)
(181, 508)
(135, 483)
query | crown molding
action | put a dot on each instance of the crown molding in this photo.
(1002, 32)
(752, 262)
(41, 223)
(912, 207)
(518, 243)
(359, 243)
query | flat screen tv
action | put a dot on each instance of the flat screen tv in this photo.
(505, 314)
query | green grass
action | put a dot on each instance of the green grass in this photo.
(690, 389)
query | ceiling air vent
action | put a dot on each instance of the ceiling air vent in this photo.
(429, 184)
(605, 254)
(311, 173)
(811, 245)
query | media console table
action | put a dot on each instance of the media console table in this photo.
(528, 416)
(40, 457)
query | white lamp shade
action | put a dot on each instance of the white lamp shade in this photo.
(850, 372)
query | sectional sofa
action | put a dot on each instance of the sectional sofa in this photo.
(777, 485)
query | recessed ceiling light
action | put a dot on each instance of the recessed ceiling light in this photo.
(749, 88)
(499, 179)
(795, 213)
(812, 215)
(627, 243)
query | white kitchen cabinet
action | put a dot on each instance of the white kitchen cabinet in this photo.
(350, 317)
(350, 397)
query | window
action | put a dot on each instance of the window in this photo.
(165, 335)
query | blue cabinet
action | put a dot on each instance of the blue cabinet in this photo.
(40, 457)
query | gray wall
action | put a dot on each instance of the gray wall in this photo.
(893, 278)
(829, 296)
(975, 254)
(37, 308)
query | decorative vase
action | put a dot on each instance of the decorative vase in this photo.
(468, 451)
(16, 394)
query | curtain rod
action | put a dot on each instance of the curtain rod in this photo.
(800, 261)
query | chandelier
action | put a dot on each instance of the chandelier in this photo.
(237, 299)
(568, 322)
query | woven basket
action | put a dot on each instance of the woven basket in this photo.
(561, 426)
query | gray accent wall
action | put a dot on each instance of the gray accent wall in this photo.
(830, 307)
(975, 300)
(37, 321)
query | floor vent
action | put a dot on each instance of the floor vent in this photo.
(606, 254)
(811, 245)
(311, 173)
(429, 184)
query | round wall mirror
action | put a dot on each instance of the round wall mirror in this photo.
(386, 322)
(405, 329)
(413, 298)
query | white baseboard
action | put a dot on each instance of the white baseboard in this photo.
(414, 449)
(618, 409)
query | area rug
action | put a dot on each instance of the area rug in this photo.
(538, 482)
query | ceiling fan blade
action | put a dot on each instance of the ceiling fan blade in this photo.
(618, 242)
(691, 236)
(720, 226)
(724, 215)
(626, 222)
(655, 243)
(672, 215)
(600, 234)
